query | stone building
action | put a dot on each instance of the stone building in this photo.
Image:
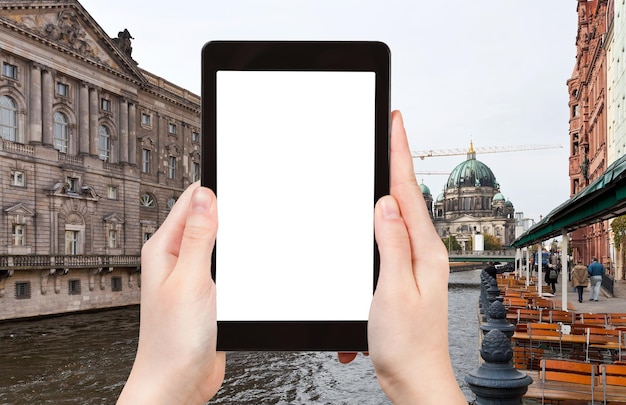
(94, 151)
(588, 123)
(471, 203)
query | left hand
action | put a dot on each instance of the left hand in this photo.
(176, 359)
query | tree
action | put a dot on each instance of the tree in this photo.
(491, 242)
(618, 226)
(451, 243)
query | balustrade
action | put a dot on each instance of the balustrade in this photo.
(29, 262)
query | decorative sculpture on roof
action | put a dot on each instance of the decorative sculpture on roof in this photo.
(123, 41)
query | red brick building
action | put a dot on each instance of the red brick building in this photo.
(588, 133)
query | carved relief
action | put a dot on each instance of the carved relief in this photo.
(74, 219)
(147, 142)
(67, 29)
(64, 28)
(173, 149)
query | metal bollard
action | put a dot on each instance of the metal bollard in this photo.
(496, 381)
(496, 319)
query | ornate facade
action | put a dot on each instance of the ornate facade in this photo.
(471, 203)
(588, 123)
(94, 151)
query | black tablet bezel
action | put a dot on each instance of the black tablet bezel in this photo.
(296, 56)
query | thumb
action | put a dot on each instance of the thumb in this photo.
(396, 268)
(199, 234)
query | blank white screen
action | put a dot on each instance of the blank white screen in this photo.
(295, 183)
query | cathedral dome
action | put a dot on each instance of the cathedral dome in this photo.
(440, 197)
(424, 188)
(472, 173)
(499, 197)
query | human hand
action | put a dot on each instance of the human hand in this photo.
(408, 320)
(176, 360)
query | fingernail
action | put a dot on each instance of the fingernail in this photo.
(390, 208)
(202, 200)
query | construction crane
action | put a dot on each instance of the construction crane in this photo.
(487, 149)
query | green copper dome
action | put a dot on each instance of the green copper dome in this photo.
(472, 173)
(499, 197)
(424, 188)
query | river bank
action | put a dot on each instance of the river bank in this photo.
(85, 359)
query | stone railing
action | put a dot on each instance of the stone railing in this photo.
(17, 148)
(64, 157)
(114, 167)
(30, 262)
(484, 253)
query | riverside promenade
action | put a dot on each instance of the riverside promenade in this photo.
(495, 377)
(606, 302)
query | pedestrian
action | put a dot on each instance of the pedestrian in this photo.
(579, 278)
(551, 277)
(595, 271)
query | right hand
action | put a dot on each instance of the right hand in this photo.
(408, 320)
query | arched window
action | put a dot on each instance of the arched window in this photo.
(147, 200)
(170, 203)
(104, 143)
(8, 119)
(61, 133)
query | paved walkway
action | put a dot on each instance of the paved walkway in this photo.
(605, 303)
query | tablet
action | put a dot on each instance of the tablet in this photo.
(296, 147)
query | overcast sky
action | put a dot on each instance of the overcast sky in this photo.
(491, 70)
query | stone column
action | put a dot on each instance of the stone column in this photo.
(46, 105)
(123, 143)
(35, 104)
(83, 119)
(132, 134)
(54, 232)
(93, 121)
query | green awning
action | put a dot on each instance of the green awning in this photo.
(603, 199)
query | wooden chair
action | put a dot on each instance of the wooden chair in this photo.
(617, 319)
(521, 327)
(527, 358)
(558, 315)
(581, 328)
(612, 375)
(546, 289)
(514, 302)
(525, 315)
(536, 330)
(579, 378)
(598, 319)
(542, 303)
(530, 295)
(544, 329)
(601, 341)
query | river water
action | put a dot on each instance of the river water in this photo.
(86, 358)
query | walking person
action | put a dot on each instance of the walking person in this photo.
(579, 279)
(595, 271)
(551, 277)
